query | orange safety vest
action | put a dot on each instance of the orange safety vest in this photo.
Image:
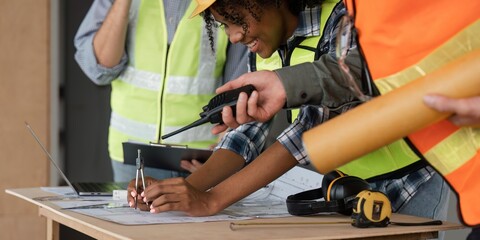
(400, 37)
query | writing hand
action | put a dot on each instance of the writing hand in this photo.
(176, 194)
(132, 194)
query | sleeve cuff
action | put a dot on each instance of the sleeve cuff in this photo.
(299, 86)
(99, 74)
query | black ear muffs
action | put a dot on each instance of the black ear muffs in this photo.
(338, 192)
(345, 189)
(329, 178)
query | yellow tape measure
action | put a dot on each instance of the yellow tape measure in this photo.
(371, 208)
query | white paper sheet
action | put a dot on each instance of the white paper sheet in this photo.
(267, 202)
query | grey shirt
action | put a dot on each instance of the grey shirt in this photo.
(318, 82)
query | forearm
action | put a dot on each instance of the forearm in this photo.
(320, 82)
(270, 165)
(109, 41)
(83, 41)
(221, 165)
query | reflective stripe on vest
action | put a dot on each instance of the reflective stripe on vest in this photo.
(385, 160)
(159, 92)
(454, 152)
(413, 51)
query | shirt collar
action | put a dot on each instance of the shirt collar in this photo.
(308, 23)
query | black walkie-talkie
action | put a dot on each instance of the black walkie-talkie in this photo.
(212, 112)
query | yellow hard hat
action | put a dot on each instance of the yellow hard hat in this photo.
(202, 5)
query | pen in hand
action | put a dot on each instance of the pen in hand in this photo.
(140, 169)
(144, 186)
(139, 197)
(135, 201)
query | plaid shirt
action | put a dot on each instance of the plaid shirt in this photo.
(248, 139)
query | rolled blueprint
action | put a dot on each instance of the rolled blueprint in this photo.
(390, 117)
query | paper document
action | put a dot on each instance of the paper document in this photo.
(267, 202)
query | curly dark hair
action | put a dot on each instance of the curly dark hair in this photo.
(229, 9)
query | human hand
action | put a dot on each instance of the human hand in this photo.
(190, 166)
(270, 96)
(132, 194)
(176, 194)
(466, 111)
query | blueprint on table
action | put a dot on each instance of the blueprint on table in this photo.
(267, 202)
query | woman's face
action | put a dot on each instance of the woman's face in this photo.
(262, 37)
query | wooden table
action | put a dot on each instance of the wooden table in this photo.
(101, 229)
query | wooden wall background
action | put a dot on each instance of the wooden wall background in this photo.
(24, 96)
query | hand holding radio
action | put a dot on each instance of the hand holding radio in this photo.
(212, 112)
(269, 98)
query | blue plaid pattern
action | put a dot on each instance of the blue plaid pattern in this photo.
(401, 190)
(247, 140)
(309, 23)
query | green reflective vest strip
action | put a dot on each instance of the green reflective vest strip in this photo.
(180, 85)
(387, 159)
(133, 128)
(177, 85)
(141, 79)
(159, 92)
(139, 130)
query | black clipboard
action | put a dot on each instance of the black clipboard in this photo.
(163, 156)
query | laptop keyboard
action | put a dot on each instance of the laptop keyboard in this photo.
(102, 187)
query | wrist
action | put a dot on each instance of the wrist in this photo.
(215, 201)
(281, 89)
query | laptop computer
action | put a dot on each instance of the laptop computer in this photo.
(82, 188)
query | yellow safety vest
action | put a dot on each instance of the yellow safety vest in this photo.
(165, 87)
(391, 158)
